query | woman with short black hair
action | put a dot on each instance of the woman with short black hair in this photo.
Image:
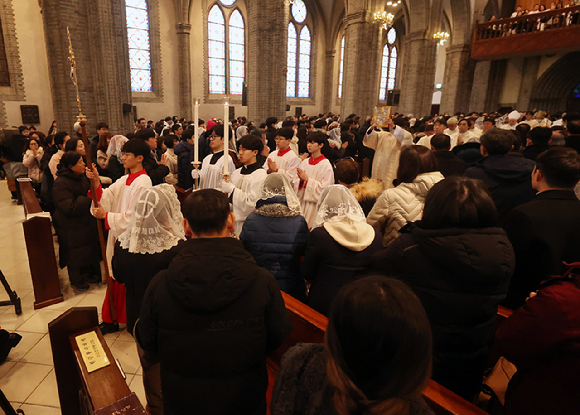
(459, 263)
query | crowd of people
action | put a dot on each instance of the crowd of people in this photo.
(458, 215)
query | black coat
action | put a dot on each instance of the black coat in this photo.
(449, 165)
(543, 232)
(77, 228)
(277, 242)
(508, 178)
(136, 271)
(212, 317)
(532, 152)
(271, 138)
(330, 265)
(460, 276)
(185, 156)
(155, 171)
(573, 141)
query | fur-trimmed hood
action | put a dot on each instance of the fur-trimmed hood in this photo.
(367, 192)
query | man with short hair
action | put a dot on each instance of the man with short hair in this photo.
(426, 139)
(539, 140)
(283, 160)
(141, 124)
(465, 135)
(212, 317)
(545, 231)
(507, 175)
(449, 165)
(271, 132)
(488, 124)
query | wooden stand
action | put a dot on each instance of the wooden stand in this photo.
(40, 249)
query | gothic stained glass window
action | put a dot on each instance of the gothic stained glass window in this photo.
(341, 70)
(388, 67)
(139, 45)
(216, 51)
(226, 49)
(4, 71)
(299, 50)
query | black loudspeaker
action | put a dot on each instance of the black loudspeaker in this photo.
(390, 98)
(127, 108)
(396, 97)
(232, 112)
(244, 94)
(287, 107)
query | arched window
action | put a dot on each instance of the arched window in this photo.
(139, 45)
(226, 49)
(341, 70)
(299, 47)
(389, 66)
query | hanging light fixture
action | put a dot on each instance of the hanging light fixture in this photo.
(442, 37)
(384, 18)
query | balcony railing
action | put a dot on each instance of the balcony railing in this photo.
(552, 29)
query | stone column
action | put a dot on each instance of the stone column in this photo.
(480, 86)
(529, 77)
(362, 55)
(99, 39)
(495, 85)
(184, 69)
(458, 79)
(419, 77)
(329, 80)
(266, 68)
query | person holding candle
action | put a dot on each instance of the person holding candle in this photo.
(212, 166)
(244, 188)
(284, 160)
(314, 174)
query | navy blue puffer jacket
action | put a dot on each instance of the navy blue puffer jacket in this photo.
(277, 241)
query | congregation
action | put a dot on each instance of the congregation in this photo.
(407, 236)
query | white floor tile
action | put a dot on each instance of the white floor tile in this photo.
(46, 393)
(127, 354)
(22, 380)
(39, 410)
(41, 353)
(38, 323)
(28, 341)
(137, 387)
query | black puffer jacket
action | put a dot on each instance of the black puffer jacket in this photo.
(212, 317)
(460, 276)
(154, 170)
(76, 226)
(185, 156)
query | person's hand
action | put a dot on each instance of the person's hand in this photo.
(390, 124)
(272, 165)
(164, 160)
(302, 174)
(345, 144)
(93, 174)
(532, 295)
(227, 187)
(459, 140)
(331, 143)
(304, 156)
(195, 173)
(99, 212)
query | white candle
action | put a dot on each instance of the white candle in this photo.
(226, 135)
(195, 129)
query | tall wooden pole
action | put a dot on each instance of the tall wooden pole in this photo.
(83, 122)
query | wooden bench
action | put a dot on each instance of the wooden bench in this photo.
(308, 326)
(80, 392)
(40, 249)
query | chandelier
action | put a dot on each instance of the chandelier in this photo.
(384, 18)
(442, 37)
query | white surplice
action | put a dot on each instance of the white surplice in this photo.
(247, 192)
(288, 163)
(320, 175)
(210, 175)
(387, 148)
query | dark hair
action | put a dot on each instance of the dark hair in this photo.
(257, 132)
(187, 134)
(103, 145)
(168, 118)
(27, 144)
(347, 171)
(102, 125)
(145, 134)
(169, 141)
(218, 129)
(22, 128)
(175, 127)
(317, 137)
(251, 142)
(489, 119)
(573, 125)
(319, 124)
(414, 161)
(71, 145)
(441, 141)
(288, 123)
(429, 128)
(524, 131)
(206, 211)
(379, 344)
(497, 141)
(139, 120)
(270, 121)
(441, 121)
(286, 132)
(402, 122)
(59, 138)
(560, 167)
(137, 147)
(68, 159)
(459, 202)
(540, 135)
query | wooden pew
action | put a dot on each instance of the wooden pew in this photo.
(80, 392)
(308, 326)
(182, 195)
(40, 249)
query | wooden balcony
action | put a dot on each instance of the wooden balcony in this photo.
(532, 34)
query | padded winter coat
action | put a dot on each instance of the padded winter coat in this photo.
(32, 161)
(460, 276)
(277, 241)
(402, 204)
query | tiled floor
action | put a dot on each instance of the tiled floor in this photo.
(27, 377)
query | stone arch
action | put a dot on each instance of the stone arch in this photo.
(552, 91)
